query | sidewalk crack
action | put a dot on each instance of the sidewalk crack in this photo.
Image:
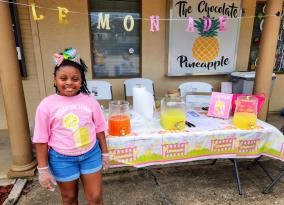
(162, 193)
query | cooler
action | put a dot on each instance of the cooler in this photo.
(243, 82)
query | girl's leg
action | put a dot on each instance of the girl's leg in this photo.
(92, 184)
(69, 192)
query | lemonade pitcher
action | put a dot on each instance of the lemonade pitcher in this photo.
(246, 112)
(119, 118)
(173, 113)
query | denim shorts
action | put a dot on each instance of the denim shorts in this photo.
(68, 168)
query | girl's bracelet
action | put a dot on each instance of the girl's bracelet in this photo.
(42, 168)
(105, 154)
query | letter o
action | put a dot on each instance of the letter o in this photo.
(126, 18)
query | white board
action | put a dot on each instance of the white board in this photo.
(184, 58)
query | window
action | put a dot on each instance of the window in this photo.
(116, 52)
(257, 29)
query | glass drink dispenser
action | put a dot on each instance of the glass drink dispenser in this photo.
(246, 112)
(119, 118)
(173, 113)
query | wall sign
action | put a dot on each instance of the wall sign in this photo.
(203, 36)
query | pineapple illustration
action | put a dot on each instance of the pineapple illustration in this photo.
(206, 46)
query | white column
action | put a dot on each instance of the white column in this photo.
(269, 38)
(14, 101)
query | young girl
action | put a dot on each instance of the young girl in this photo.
(69, 134)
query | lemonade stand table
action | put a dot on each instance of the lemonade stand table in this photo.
(212, 138)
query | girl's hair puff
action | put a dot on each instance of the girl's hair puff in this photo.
(81, 67)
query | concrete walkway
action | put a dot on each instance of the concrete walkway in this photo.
(186, 184)
(5, 154)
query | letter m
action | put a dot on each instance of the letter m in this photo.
(103, 22)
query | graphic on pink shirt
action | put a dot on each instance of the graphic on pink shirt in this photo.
(70, 125)
(81, 134)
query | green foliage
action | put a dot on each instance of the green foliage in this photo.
(213, 31)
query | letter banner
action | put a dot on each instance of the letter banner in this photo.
(209, 47)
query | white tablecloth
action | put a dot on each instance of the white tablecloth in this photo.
(212, 138)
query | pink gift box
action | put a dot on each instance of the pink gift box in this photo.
(260, 102)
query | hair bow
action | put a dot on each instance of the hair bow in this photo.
(69, 54)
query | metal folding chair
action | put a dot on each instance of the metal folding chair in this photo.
(101, 90)
(197, 94)
(130, 83)
(191, 87)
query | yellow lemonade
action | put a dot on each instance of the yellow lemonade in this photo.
(244, 120)
(172, 119)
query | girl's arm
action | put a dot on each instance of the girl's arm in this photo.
(102, 140)
(42, 154)
(45, 177)
(105, 155)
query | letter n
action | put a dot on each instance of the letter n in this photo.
(155, 23)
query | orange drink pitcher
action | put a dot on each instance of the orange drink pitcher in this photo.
(119, 118)
(245, 115)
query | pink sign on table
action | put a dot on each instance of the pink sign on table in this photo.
(220, 105)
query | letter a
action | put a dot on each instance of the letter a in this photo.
(190, 25)
(36, 18)
(103, 22)
(155, 23)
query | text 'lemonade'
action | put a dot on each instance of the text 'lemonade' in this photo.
(173, 119)
(245, 120)
(119, 125)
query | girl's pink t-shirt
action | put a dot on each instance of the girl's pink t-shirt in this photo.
(69, 124)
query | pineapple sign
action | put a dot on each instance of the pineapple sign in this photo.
(203, 38)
